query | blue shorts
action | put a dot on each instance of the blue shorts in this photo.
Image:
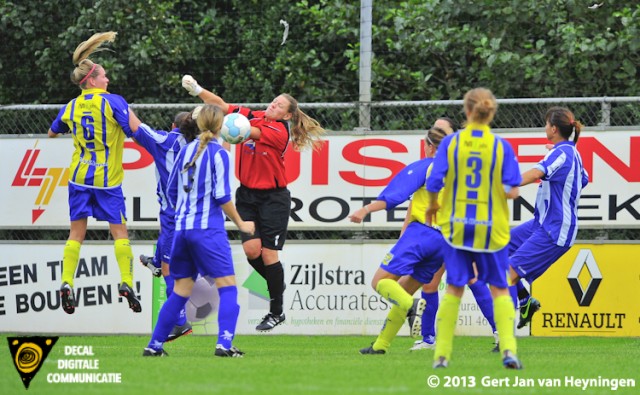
(493, 267)
(418, 253)
(521, 233)
(165, 238)
(204, 251)
(100, 203)
(535, 254)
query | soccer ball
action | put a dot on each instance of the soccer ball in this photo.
(235, 128)
(204, 300)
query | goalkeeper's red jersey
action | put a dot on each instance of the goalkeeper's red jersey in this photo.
(261, 162)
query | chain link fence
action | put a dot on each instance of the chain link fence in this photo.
(593, 112)
(514, 115)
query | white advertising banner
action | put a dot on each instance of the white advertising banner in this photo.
(326, 186)
(328, 293)
(30, 279)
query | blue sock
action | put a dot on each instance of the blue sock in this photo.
(523, 294)
(485, 301)
(182, 315)
(169, 282)
(166, 320)
(513, 291)
(227, 315)
(429, 315)
(157, 259)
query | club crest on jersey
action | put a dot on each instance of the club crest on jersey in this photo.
(249, 145)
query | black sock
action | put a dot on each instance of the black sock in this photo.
(258, 265)
(274, 274)
(523, 294)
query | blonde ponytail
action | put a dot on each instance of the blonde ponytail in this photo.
(85, 67)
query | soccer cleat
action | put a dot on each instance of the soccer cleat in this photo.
(150, 352)
(370, 350)
(414, 317)
(527, 311)
(67, 298)
(441, 362)
(424, 345)
(179, 330)
(126, 291)
(232, 352)
(510, 361)
(496, 342)
(270, 321)
(147, 261)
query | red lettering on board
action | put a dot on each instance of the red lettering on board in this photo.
(351, 153)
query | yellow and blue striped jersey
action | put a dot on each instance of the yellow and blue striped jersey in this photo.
(404, 184)
(409, 184)
(420, 201)
(99, 122)
(474, 166)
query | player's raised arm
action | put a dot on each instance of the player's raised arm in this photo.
(208, 97)
(134, 121)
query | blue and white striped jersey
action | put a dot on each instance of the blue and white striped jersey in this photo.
(559, 192)
(164, 147)
(198, 193)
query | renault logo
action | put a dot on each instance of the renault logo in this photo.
(584, 296)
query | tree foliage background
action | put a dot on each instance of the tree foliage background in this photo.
(422, 49)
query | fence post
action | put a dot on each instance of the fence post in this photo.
(364, 103)
(605, 108)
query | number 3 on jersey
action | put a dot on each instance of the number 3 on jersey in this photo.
(473, 180)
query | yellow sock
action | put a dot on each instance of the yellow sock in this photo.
(394, 293)
(124, 256)
(70, 261)
(446, 325)
(504, 315)
(392, 325)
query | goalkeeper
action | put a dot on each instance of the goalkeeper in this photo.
(263, 196)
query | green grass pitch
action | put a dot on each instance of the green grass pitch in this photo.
(278, 364)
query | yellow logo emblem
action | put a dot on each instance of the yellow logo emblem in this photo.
(28, 354)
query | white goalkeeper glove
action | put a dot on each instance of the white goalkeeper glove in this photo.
(191, 85)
